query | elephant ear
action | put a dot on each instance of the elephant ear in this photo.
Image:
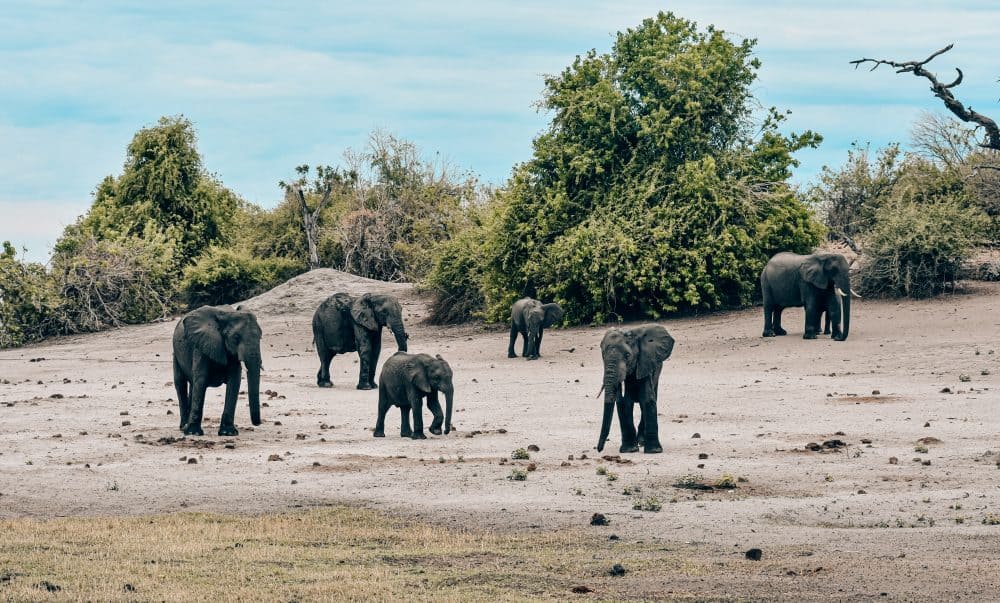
(202, 329)
(362, 313)
(812, 272)
(416, 372)
(655, 345)
(342, 302)
(553, 314)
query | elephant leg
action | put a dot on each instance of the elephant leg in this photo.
(627, 423)
(182, 387)
(404, 422)
(325, 358)
(435, 407)
(833, 318)
(777, 322)
(227, 426)
(193, 425)
(364, 360)
(417, 408)
(383, 407)
(538, 344)
(376, 352)
(513, 338)
(812, 319)
(524, 348)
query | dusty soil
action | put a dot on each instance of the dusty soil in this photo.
(88, 426)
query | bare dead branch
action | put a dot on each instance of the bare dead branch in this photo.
(943, 92)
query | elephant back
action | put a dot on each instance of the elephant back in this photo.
(332, 324)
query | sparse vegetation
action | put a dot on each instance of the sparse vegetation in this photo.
(518, 475)
(650, 503)
(521, 454)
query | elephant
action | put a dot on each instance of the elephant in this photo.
(343, 323)
(530, 317)
(821, 282)
(405, 380)
(634, 357)
(209, 345)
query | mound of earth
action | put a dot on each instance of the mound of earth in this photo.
(304, 293)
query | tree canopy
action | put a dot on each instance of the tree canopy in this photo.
(657, 186)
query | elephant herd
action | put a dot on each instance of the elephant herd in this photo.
(212, 342)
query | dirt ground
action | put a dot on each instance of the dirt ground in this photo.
(907, 509)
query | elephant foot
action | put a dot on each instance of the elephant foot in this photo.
(780, 332)
(511, 355)
(366, 386)
(405, 434)
(325, 383)
(631, 448)
(653, 449)
(193, 430)
(808, 335)
(228, 430)
(767, 334)
(839, 337)
(379, 434)
(435, 430)
(418, 435)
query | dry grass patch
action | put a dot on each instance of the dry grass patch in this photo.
(337, 553)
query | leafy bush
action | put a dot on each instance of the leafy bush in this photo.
(223, 276)
(27, 299)
(650, 191)
(456, 279)
(917, 249)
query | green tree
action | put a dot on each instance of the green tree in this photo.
(655, 188)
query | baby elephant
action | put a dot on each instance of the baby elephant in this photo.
(530, 317)
(406, 379)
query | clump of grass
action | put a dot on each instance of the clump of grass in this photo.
(650, 503)
(441, 459)
(521, 454)
(612, 476)
(630, 490)
(690, 480)
(518, 475)
(602, 470)
(992, 519)
(726, 482)
(921, 449)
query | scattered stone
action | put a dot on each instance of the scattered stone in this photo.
(583, 457)
(45, 584)
(128, 587)
(57, 396)
(83, 433)
(300, 436)
(926, 463)
(840, 433)
(702, 455)
(613, 537)
(533, 448)
(565, 464)
(945, 390)
(531, 467)
(316, 464)
(275, 457)
(695, 435)
(295, 481)
(964, 378)
(192, 461)
(231, 446)
(277, 422)
(570, 457)
(126, 423)
(866, 440)
(754, 554)
(928, 440)
(580, 590)
(876, 392)
(123, 413)
(814, 447)
(862, 492)
(598, 519)
(170, 412)
(834, 444)
(927, 424)
(501, 430)
(701, 465)
(36, 360)
(617, 570)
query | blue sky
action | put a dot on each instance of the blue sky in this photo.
(271, 85)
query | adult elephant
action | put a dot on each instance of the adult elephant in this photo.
(343, 323)
(405, 381)
(209, 345)
(529, 318)
(633, 358)
(821, 282)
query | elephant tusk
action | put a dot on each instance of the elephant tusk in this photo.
(855, 294)
(839, 292)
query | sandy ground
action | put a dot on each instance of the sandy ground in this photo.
(88, 426)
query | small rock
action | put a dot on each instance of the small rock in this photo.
(565, 464)
(617, 570)
(277, 422)
(964, 378)
(126, 423)
(501, 430)
(876, 392)
(598, 519)
(893, 460)
(927, 424)
(295, 481)
(613, 537)
(840, 433)
(813, 446)
(702, 455)
(533, 448)
(696, 435)
(926, 463)
(531, 467)
(57, 396)
(754, 554)
(170, 412)
(316, 464)
(128, 587)
(862, 492)
(275, 457)
(300, 436)
(192, 461)
(581, 590)
(231, 446)
(866, 440)
(570, 457)
(945, 390)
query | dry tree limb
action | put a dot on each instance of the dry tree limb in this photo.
(943, 91)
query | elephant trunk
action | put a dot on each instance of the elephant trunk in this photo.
(612, 391)
(396, 326)
(847, 314)
(253, 388)
(449, 396)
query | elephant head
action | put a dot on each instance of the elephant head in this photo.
(638, 353)
(430, 375)
(373, 311)
(538, 317)
(825, 270)
(226, 335)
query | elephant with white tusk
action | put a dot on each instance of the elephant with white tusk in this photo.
(820, 282)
